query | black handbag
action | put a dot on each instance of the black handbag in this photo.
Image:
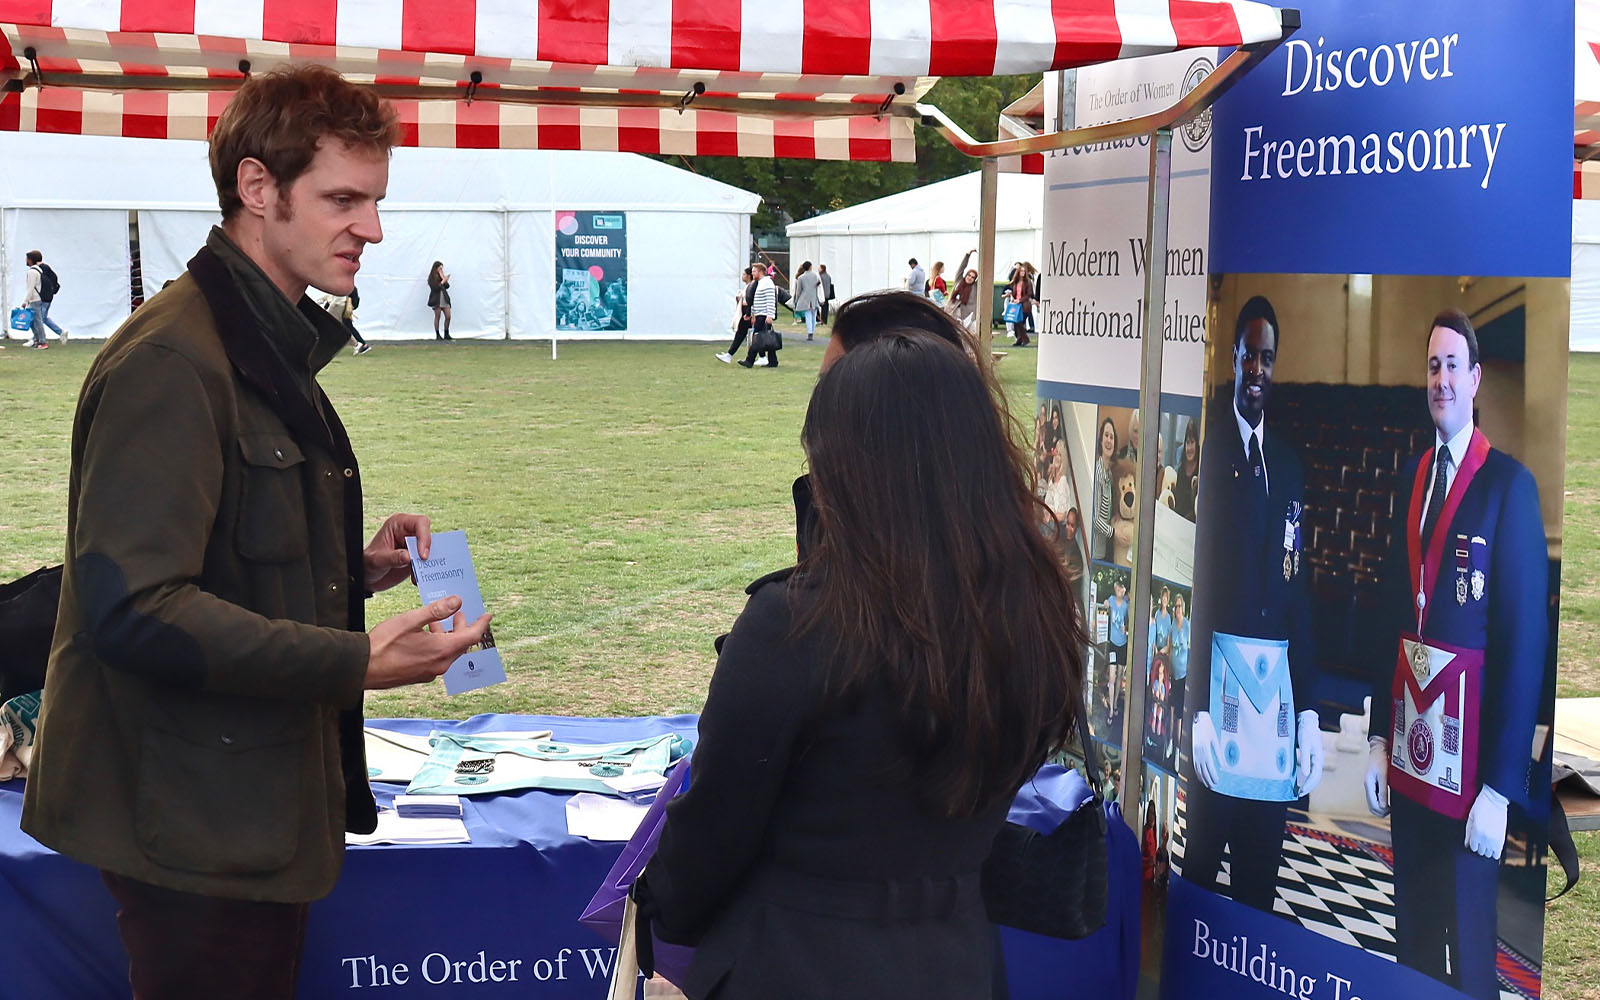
(1053, 884)
(27, 624)
(766, 339)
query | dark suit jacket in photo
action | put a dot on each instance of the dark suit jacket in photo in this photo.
(1239, 584)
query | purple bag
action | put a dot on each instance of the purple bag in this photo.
(604, 912)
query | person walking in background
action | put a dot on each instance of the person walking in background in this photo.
(806, 301)
(917, 280)
(938, 290)
(763, 312)
(963, 300)
(1034, 283)
(439, 299)
(343, 308)
(827, 291)
(31, 298)
(49, 285)
(741, 326)
(1020, 291)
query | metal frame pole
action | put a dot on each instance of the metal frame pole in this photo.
(988, 193)
(1139, 600)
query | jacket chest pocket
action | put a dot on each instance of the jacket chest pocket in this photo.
(272, 504)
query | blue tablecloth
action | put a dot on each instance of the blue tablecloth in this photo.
(495, 917)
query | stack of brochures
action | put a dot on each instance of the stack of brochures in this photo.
(428, 806)
(394, 828)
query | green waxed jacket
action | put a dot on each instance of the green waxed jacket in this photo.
(201, 727)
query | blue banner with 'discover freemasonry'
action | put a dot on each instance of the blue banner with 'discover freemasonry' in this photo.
(1425, 137)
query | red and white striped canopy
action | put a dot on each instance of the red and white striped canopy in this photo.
(828, 80)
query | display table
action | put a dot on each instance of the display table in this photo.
(496, 917)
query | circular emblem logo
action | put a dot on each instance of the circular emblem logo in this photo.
(1230, 753)
(1419, 743)
(1261, 667)
(1281, 760)
(605, 770)
(1197, 131)
(471, 779)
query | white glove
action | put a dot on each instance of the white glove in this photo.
(1308, 753)
(1204, 748)
(1486, 824)
(1378, 776)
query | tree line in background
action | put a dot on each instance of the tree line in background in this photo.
(792, 190)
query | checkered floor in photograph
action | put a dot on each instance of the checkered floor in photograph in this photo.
(1343, 888)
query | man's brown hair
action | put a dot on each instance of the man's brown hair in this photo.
(281, 116)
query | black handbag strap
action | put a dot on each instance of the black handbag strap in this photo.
(1091, 755)
(1561, 844)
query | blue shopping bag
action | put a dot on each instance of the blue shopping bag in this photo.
(22, 319)
(1013, 313)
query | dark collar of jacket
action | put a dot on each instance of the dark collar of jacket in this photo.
(805, 518)
(251, 353)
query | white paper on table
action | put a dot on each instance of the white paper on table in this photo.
(602, 817)
(641, 781)
(396, 829)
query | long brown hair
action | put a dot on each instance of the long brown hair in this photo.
(929, 567)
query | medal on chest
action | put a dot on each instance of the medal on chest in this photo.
(1421, 663)
(1291, 540)
(1461, 569)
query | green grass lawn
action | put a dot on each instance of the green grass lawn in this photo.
(619, 499)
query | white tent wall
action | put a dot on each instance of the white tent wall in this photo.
(1585, 331)
(533, 274)
(88, 250)
(167, 241)
(866, 246)
(488, 214)
(394, 275)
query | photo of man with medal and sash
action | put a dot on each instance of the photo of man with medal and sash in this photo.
(1254, 745)
(1453, 712)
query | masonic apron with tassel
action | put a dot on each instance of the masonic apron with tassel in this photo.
(1433, 750)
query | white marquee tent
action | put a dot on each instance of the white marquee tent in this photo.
(1585, 332)
(866, 246)
(489, 215)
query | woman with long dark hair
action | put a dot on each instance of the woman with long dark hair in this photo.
(439, 298)
(1188, 478)
(875, 709)
(1104, 460)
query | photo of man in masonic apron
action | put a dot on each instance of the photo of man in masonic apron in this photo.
(1255, 745)
(1453, 713)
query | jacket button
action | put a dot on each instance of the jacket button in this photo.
(277, 453)
(349, 473)
(227, 741)
(333, 588)
(328, 473)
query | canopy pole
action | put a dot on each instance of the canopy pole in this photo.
(1140, 600)
(505, 269)
(988, 191)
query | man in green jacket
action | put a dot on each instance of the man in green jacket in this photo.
(201, 737)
